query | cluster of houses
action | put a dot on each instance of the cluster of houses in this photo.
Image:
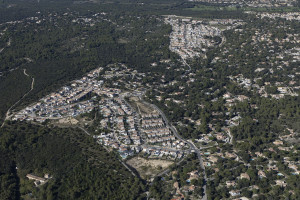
(156, 130)
(282, 90)
(232, 99)
(294, 166)
(162, 151)
(269, 168)
(253, 3)
(122, 128)
(70, 101)
(128, 135)
(242, 81)
(287, 16)
(120, 70)
(294, 52)
(123, 122)
(189, 37)
(230, 23)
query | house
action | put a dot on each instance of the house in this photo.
(193, 175)
(281, 183)
(138, 148)
(191, 188)
(278, 142)
(259, 154)
(179, 156)
(173, 153)
(213, 159)
(274, 167)
(47, 176)
(242, 97)
(261, 174)
(293, 166)
(207, 164)
(245, 175)
(220, 136)
(230, 183)
(230, 155)
(284, 148)
(37, 180)
(227, 95)
(234, 193)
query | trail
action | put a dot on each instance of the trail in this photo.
(8, 113)
(231, 138)
(223, 41)
(184, 62)
(7, 45)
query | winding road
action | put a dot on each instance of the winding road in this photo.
(191, 144)
(8, 113)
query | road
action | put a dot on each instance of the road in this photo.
(231, 138)
(84, 130)
(186, 65)
(168, 170)
(123, 163)
(191, 144)
(8, 114)
(223, 41)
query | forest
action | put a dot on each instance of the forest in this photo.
(80, 167)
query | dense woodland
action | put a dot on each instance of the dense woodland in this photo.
(79, 166)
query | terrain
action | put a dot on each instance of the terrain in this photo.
(149, 100)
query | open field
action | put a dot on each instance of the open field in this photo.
(148, 168)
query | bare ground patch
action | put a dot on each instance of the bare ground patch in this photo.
(148, 168)
(139, 106)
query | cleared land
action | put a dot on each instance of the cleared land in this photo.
(69, 120)
(148, 168)
(139, 106)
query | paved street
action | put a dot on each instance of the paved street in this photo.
(191, 144)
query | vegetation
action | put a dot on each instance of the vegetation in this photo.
(79, 166)
(58, 49)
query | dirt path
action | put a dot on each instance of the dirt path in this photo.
(223, 41)
(8, 113)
